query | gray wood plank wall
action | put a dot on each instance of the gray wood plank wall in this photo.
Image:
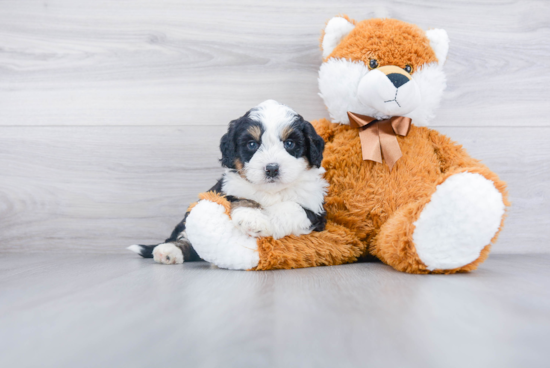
(111, 112)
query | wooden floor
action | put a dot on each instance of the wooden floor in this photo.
(69, 310)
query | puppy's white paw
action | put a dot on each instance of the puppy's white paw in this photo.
(251, 221)
(167, 253)
(288, 218)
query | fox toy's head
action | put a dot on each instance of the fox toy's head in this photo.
(382, 68)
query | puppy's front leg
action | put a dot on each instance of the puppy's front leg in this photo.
(288, 218)
(248, 217)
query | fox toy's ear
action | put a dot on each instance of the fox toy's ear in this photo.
(439, 42)
(337, 28)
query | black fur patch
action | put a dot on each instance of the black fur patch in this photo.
(237, 144)
(318, 222)
(308, 143)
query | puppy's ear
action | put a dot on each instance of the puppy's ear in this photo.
(315, 145)
(228, 148)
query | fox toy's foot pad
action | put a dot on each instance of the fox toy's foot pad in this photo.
(463, 215)
(216, 239)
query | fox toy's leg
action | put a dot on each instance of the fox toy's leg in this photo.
(450, 230)
(217, 240)
(333, 246)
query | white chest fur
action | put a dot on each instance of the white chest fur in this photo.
(308, 190)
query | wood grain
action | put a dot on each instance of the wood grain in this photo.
(99, 189)
(84, 187)
(111, 112)
(74, 310)
(203, 62)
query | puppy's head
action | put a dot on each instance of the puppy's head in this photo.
(271, 144)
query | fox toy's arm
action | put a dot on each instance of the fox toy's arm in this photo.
(216, 239)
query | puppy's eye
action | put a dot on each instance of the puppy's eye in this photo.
(408, 68)
(373, 64)
(289, 144)
(252, 145)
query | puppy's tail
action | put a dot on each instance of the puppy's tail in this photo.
(146, 251)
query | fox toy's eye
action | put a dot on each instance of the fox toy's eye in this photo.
(408, 68)
(252, 145)
(289, 144)
(373, 64)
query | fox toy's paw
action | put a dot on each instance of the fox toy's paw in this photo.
(216, 239)
(449, 231)
(463, 215)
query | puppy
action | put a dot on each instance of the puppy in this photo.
(273, 180)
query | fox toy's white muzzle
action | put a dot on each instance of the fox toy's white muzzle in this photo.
(389, 90)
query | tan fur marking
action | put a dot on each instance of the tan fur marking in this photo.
(255, 132)
(391, 69)
(240, 168)
(286, 132)
(238, 164)
(244, 203)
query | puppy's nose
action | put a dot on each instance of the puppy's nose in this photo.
(397, 79)
(271, 170)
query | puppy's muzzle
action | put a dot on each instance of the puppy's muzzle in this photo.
(272, 170)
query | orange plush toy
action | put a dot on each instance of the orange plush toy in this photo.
(399, 191)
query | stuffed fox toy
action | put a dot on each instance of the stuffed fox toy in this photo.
(399, 191)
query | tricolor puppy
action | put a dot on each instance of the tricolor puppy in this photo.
(273, 179)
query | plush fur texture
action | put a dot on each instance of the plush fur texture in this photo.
(439, 42)
(217, 240)
(390, 41)
(438, 211)
(463, 215)
(336, 29)
(377, 207)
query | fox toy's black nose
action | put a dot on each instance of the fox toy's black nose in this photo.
(271, 170)
(397, 79)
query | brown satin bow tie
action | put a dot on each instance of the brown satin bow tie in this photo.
(379, 136)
